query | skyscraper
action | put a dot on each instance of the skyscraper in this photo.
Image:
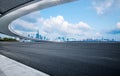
(37, 34)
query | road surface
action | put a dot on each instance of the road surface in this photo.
(67, 59)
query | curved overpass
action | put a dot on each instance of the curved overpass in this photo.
(11, 10)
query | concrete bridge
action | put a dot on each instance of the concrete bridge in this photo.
(13, 9)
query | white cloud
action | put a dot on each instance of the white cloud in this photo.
(57, 26)
(101, 6)
(61, 26)
(118, 25)
(24, 33)
(24, 24)
(98, 34)
(116, 30)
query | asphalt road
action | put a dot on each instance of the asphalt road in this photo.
(67, 59)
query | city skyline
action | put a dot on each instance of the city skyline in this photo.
(38, 36)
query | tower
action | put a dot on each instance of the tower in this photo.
(37, 34)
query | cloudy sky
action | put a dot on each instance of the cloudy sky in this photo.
(80, 20)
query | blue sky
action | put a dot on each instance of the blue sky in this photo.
(81, 19)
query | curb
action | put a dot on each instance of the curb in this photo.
(9, 67)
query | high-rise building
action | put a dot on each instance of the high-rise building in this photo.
(37, 34)
(40, 37)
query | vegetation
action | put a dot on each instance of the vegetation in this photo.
(7, 39)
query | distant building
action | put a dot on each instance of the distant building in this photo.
(40, 37)
(99, 40)
(29, 35)
(24, 40)
(37, 34)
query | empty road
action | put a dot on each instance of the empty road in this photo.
(67, 58)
